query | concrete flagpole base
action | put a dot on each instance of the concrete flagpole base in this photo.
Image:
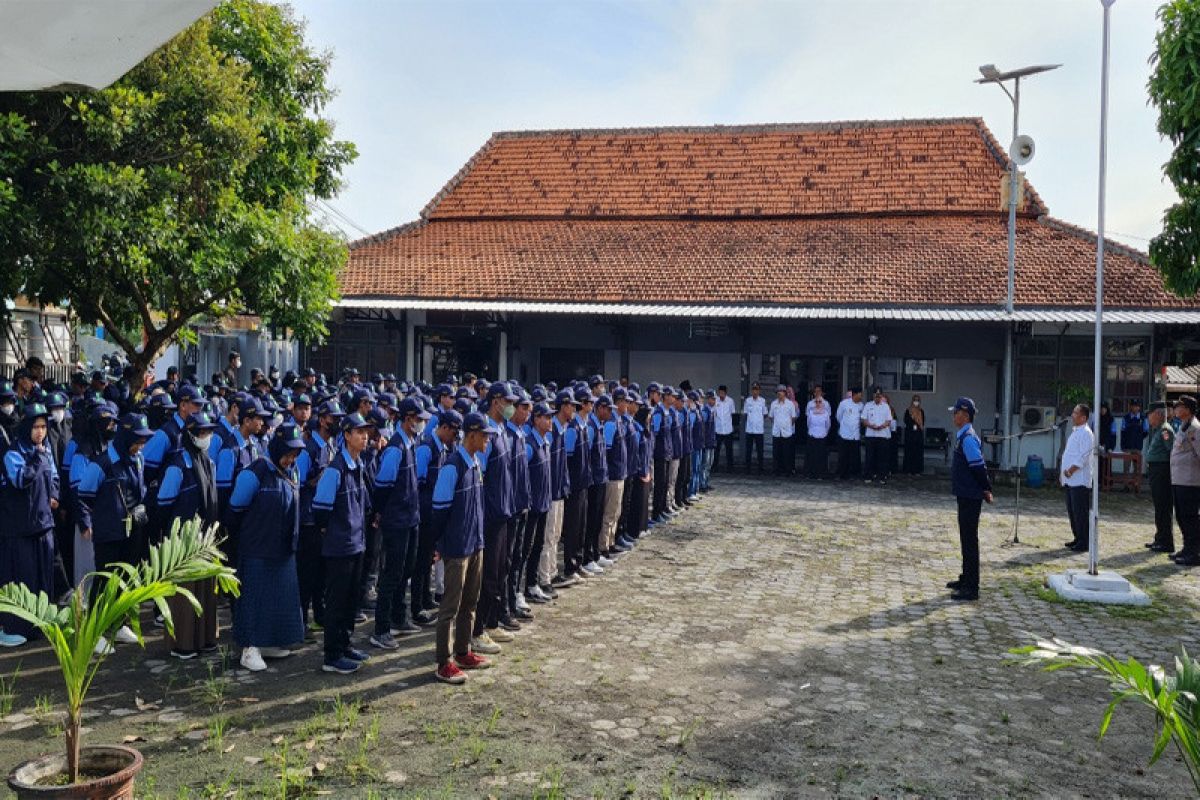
(1106, 587)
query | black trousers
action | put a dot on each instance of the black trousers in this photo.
(64, 554)
(879, 456)
(684, 479)
(816, 457)
(491, 593)
(781, 454)
(849, 458)
(661, 468)
(535, 538)
(310, 571)
(518, 551)
(724, 440)
(1187, 513)
(1160, 492)
(573, 527)
(639, 504)
(422, 593)
(754, 441)
(342, 576)
(968, 537)
(623, 514)
(108, 553)
(1079, 500)
(399, 554)
(595, 521)
(372, 558)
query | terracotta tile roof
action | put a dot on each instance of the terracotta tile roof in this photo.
(909, 166)
(860, 260)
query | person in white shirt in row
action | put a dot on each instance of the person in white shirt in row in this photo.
(783, 413)
(754, 411)
(723, 424)
(878, 419)
(849, 417)
(1076, 475)
(819, 418)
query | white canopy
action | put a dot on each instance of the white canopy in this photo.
(66, 44)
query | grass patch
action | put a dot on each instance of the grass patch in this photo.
(8, 692)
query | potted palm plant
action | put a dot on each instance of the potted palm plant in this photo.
(186, 554)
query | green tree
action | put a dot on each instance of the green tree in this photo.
(1175, 90)
(181, 190)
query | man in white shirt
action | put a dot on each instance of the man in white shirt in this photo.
(1075, 473)
(819, 417)
(754, 411)
(877, 418)
(783, 415)
(849, 419)
(723, 418)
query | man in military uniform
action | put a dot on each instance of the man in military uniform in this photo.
(971, 487)
(1185, 481)
(1159, 442)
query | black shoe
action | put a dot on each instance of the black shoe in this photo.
(954, 584)
(521, 613)
(963, 594)
(1189, 561)
(425, 618)
(549, 591)
(1069, 545)
(407, 629)
(510, 624)
(1150, 545)
(1160, 548)
(1078, 548)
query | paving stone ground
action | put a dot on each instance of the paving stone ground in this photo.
(783, 639)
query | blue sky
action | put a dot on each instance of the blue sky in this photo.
(423, 84)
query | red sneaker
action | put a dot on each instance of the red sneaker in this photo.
(472, 661)
(450, 673)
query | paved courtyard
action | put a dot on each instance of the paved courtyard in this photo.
(781, 640)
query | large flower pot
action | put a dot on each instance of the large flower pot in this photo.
(106, 773)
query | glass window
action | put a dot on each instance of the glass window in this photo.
(917, 374)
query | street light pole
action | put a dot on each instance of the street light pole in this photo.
(993, 75)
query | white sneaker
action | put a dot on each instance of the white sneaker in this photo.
(125, 636)
(521, 604)
(103, 647)
(498, 635)
(252, 659)
(484, 644)
(594, 568)
(605, 561)
(274, 652)
(536, 591)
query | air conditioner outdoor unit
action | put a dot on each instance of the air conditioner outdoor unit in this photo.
(1037, 416)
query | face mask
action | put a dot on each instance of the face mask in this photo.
(108, 433)
(419, 429)
(8, 408)
(917, 403)
(509, 411)
(58, 414)
(202, 441)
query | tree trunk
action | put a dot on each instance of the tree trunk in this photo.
(74, 722)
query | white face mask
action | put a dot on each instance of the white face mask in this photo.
(419, 429)
(8, 408)
(917, 403)
(58, 414)
(203, 441)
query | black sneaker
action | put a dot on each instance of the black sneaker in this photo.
(963, 594)
(549, 591)
(407, 629)
(360, 617)
(563, 581)
(425, 618)
(954, 584)
(356, 655)
(509, 624)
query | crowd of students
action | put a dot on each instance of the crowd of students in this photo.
(459, 507)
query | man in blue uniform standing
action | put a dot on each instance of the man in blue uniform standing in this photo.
(499, 510)
(971, 486)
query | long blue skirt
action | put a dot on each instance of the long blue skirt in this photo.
(267, 614)
(28, 560)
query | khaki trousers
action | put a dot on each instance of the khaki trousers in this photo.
(464, 577)
(612, 514)
(548, 565)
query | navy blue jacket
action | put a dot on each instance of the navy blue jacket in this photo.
(397, 494)
(575, 444)
(181, 494)
(340, 506)
(710, 428)
(681, 435)
(264, 511)
(311, 463)
(560, 479)
(498, 476)
(615, 446)
(968, 471)
(458, 506)
(430, 456)
(111, 486)
(516, 440)
(597, 452)
(166, 442)
(539, 460)
(28, 484)
(660, 425)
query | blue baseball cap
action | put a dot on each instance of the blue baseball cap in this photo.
(199, 422)
(451, 418)
(475, 421)
(565, 397)
(332, 408)
(352, 422)
(410, 405)
(502, 389)
(289, 437)
(189, 393)
(136, 425)
(583, 395)
(604, 400)
(965, 404)
(542, 410)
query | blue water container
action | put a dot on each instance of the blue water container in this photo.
(1034, 472)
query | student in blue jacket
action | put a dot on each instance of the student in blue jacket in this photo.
(539, 464)
(264, 515)
(341, 506)
(458, 511)
(110, 506)
(28, 499)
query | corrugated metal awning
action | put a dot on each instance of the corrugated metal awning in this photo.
(922, 314)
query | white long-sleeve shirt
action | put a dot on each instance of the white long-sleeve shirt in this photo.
(820, 418)
(754, 409)
(1078, 453)
(783, 418)
(849, 414)
(878, 414)
(723, 415)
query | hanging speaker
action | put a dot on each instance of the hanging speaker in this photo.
(1021, 150)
